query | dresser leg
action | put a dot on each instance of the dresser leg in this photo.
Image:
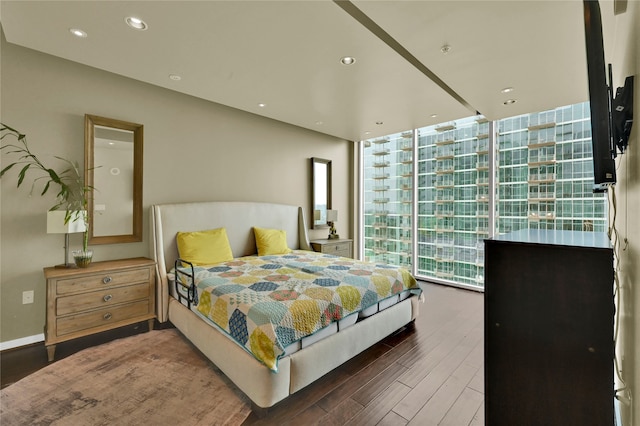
(51, 352)
(151, 324)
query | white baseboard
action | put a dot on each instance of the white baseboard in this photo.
(21, 342)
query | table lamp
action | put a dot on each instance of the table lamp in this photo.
(332, 216)
(56, 225)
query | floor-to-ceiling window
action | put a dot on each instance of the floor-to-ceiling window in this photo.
(388, 199)
(473, 179)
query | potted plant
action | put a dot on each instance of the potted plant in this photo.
(72, 196)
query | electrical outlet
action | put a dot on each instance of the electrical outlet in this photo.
(27, 297)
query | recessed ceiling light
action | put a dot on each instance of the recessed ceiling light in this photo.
(175, 77)
(445, 49)
(136, 23)
(77, 32)
(367, 132)
(348, 60)
(319, 123)
(434, 115)
(507, 90)
(261, 105)
(510, 101)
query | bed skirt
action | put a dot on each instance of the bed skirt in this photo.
(297, 370)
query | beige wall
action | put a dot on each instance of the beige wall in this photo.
(193, 150)
(626, 61)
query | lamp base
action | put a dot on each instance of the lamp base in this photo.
(66, 266)
(333, 237)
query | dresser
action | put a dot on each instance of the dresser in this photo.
(549, 316)
(340, 247)
(103, 296)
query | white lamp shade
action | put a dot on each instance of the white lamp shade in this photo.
(332, 215)
(56, 225)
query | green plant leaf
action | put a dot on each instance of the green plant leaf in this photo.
(6, 169)
(22, 173)
(46, 188)
(54, 176)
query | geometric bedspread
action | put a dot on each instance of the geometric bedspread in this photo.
(266, 303)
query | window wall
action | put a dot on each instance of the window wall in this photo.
(472, 179)
(388, 199)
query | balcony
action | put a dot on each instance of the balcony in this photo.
(381, 176)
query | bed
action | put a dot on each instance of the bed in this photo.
(300, 361)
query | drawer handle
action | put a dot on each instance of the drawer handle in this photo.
(107, 316)
(107, 297)
(106, 280)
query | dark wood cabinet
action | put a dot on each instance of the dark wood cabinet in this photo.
(549, 320)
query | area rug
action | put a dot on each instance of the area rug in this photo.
(154, 378)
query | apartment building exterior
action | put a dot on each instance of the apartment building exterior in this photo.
(432, 195)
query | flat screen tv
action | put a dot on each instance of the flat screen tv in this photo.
(600, 97)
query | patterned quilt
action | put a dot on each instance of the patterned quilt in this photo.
(266, 303)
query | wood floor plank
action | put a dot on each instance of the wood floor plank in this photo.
(307, 417)
(378, 384)
(478, 419)
(450, 399)
(476, 358)
(441, 402)
(420, 359)
(448, 342)
(380, 406)
(344, 412)
(464, 409)
(437, 312)
(477, 383)
(393, 419)
(429, 385)
(364, 376)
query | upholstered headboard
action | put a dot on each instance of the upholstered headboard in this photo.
(238, 218)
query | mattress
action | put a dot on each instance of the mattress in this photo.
(311, 296)
(294, 347)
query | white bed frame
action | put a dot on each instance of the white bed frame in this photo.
(295, 371)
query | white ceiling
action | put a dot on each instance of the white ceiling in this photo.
(286, 54)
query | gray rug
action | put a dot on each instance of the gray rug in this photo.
(155, 378)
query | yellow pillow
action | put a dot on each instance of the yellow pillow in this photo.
(271, 241)
(204, 247)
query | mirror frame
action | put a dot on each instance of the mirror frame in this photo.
(90, 121)
(314, 182)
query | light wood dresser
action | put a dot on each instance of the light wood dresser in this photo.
(103, 296)
(339, 247)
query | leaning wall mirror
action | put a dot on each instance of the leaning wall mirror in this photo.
(113, 167)
(321, 192)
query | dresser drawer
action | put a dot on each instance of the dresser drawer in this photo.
(343, 252)
(101, 280)
(106, 297)
(335, 248)
(101, 317)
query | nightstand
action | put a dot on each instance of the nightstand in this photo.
(340, 247)
(103, 296)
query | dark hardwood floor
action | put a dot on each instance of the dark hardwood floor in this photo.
(429, 374)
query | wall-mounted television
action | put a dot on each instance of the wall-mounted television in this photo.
(611, 119)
